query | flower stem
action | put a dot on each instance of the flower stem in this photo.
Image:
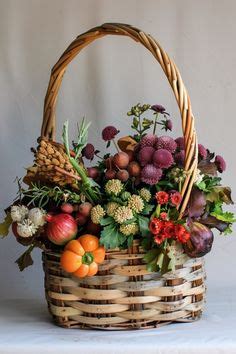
(115, 144)
(155, 123)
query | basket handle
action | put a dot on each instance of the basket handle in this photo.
(170, 70)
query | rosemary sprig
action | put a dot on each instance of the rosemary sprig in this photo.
(41, 195)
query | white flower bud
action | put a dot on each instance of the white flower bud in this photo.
(37, 216)
(18, 212)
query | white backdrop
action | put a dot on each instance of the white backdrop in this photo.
(103, 82)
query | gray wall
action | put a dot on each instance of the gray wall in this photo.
(103, 82)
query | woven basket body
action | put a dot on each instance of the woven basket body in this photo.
(124, 295)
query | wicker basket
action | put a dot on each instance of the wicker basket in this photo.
(124, 295)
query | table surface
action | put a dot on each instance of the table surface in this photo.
(25, 327)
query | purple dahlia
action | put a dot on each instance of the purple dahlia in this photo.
(180, 143)
(202, 151)
(220, 163)
(148, 140)
(167, 143)
(168, 125)
(162, 158)
(145, 155)
(151, 174)
(158, 108)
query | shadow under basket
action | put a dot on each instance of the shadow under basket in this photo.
(124, 295)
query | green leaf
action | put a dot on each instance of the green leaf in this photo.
(130, 240)
(143, 223)
(173, 214)
(147, 209)
(146, 243)
(151, 255)
(5, 225)
(152, 267)
(220, 193)
(111, 237)
(225, 216)
(106, 221)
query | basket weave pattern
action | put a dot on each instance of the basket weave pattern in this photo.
(124, 295)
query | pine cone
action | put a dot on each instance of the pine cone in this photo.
(51, 165)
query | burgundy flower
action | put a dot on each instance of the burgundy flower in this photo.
(168, 125)
(180, 143)
(220, 163)
(162, 158)
(159, 109)
(151, 174)
(179, 158)
(166, 142)
(88, 151)
(202, 151)
(145, 155)
(148, 140)
(109, 133)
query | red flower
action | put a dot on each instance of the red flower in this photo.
(183, 238)
(169, 229)
(175, 198)
(155, 226)
(163, 215)
(162, 197)
(182, 235)
(159, 238)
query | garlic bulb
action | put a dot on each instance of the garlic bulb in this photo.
(37, 216)
(18, 212)
(26, 228)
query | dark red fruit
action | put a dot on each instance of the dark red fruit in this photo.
(121, 159)
(92, 228)
(130, 153)
(109, 163)
(110, 174)
(93, 172)
(134, 169)
(85, 209)
(80, 219)
(122, 175)
(67, 208)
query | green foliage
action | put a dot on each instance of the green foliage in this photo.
(208, 183)
(143, 223)
(148, 208)
(160, 259)
(111, 237)
(41, 195)
(5, 225)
